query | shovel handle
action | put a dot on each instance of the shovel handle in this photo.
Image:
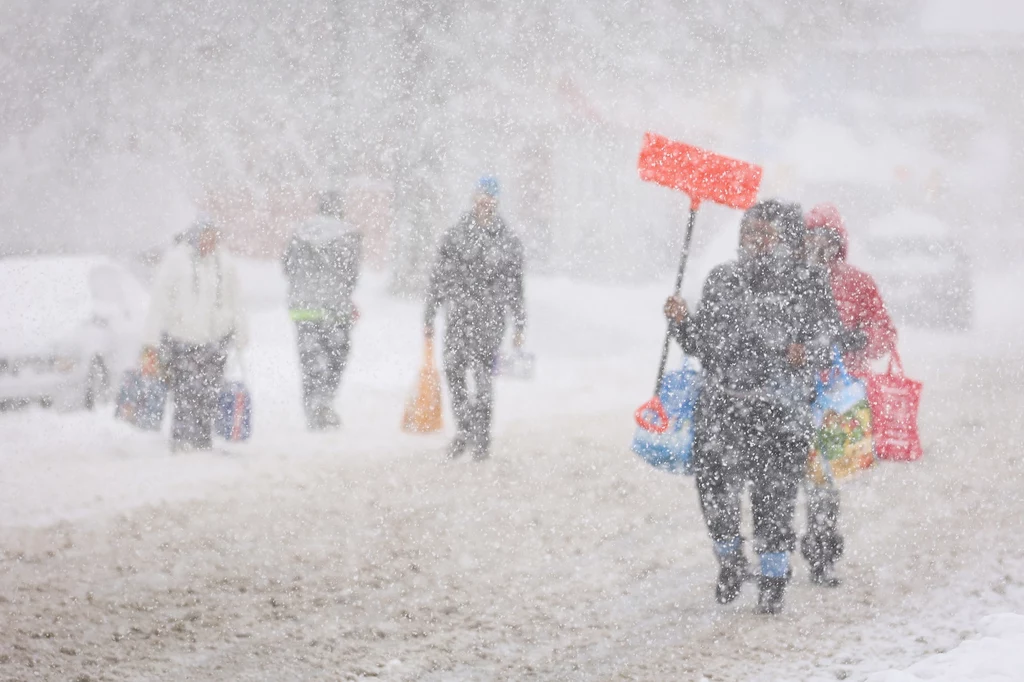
(683, 257)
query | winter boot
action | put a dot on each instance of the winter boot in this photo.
(823, 575)
(329, 418)
(321, 418)
(458, 445)
(770, 595)
(772, 583)
(481, 449)
(821, 553)
(733, 570)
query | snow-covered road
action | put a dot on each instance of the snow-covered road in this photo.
(362, 555)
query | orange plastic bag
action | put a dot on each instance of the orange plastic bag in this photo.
(423, 410)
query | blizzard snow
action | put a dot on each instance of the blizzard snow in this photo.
(362, 555)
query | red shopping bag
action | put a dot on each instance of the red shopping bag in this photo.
(894, 400)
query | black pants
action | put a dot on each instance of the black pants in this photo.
(822, 545)
(472, 412)
(741, 441)
(195, 374)
(323, 355)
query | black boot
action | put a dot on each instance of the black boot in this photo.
(458, 445)
(481, 448)
(770, 595)
(821, 553)
(823, 575)
(731, 574)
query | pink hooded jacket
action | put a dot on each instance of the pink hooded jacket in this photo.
(857, 297)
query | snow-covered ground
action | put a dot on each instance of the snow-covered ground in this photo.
(360, 554)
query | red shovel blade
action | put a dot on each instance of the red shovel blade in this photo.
(651, 416)
(703, 175)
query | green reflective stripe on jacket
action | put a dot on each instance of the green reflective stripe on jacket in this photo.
(299, 315)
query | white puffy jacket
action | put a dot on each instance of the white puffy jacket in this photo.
(196, 299)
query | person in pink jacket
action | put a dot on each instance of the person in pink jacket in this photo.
(860, 305)
(864, 318)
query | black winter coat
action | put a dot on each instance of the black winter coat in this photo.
(749, 315)
(478, 277)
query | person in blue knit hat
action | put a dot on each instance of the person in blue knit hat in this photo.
(478, 278)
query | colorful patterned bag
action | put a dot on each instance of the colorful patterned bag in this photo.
(842, 444)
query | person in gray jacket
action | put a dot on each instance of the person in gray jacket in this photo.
(478, 277)
(764, 330)
(321, 263)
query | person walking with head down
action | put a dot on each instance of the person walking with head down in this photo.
(478, 278)
(871, 335)
(195, 316)
(321, 263)
(763, 332)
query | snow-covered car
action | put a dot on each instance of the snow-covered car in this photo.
(68, 326)
(922, 269)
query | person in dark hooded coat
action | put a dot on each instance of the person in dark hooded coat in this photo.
(763, 332)
(478, 278)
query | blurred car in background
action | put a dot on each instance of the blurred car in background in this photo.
(922, 269)
(68, 325)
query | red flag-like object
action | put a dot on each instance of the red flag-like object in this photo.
(702, 175)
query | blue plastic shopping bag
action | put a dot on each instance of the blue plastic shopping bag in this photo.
(671, 449)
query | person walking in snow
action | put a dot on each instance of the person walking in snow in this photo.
(321, 263)
(478, 277)
(763, 331)
(865, 318)
(195, 316)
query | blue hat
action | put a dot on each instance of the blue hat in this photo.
(488, 185)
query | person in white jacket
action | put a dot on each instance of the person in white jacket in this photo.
(195, 316)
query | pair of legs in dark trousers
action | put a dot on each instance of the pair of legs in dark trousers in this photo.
(822, 545)
(195, 374)
(323, 355)
(763, 444)
(472, 412)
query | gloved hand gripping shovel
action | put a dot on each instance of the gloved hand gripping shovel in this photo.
(703, 176)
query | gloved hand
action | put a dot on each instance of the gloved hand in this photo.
(675, 309)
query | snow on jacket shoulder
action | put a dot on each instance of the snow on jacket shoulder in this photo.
(196, 299)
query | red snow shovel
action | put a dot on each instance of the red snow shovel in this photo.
(702, 176)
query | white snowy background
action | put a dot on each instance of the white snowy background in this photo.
(360, 554)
